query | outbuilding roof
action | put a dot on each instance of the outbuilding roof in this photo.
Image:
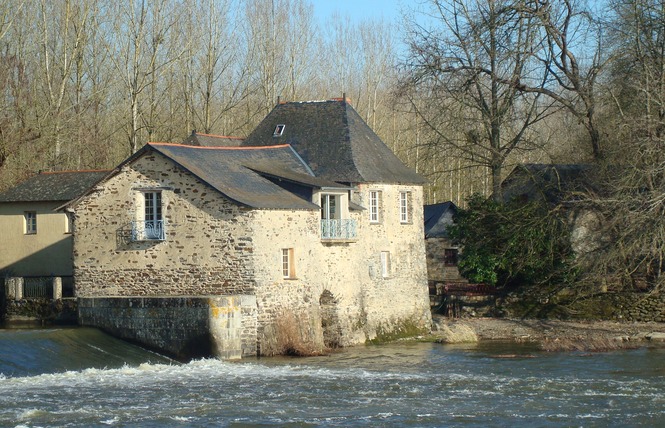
(209, 140)
(548, 181)
(437, 219)
(334, 141)
(53, 186)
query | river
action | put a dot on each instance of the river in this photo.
(80, 377)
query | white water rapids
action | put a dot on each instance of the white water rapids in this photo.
(405, 384)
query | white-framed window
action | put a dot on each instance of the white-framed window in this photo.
(329, 206)
(385, 264)
(374, 206)
(404, 207)
(288, 264)
(30, 222)
(335, 221)
(149, 224)
(153, 206)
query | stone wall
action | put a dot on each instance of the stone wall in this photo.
(46, 306)
(641, 307)
(207, 251)
(184, 327)
(366, 304)
(40, 311)
(436, 268)
(399, 300)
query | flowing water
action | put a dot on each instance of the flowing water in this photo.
(80, 377)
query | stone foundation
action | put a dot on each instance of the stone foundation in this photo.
(40, 311)
(184, 327)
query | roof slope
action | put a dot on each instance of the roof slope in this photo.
(208, 140)
(437, 219)
(236, 172)
(53, 186)
(334, 141)
(548, 181)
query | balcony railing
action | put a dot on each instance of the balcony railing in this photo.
(148, 230)
(338, 229)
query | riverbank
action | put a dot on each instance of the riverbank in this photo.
(552, 335)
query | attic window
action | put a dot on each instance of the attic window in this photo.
(279, 130)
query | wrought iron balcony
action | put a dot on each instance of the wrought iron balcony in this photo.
(338, 229)
(148, 230)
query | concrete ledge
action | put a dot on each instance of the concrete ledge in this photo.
(184, 327)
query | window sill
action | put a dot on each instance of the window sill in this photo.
(148, 240)
(339, 240)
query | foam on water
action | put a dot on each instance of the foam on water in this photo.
(396, 385)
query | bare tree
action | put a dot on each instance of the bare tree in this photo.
(14, 84)
(280, 39)
(214, 67)
(62, 28)
(466, 68)
(572, 53)
(140, 54)
(632, 201)
(8, 10)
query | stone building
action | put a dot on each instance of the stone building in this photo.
(309, 227)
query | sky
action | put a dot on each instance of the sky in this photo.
(359, 10)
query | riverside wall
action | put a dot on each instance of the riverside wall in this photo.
(184, 327)
(629, 307)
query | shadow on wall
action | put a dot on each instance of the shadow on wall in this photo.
(54, 260)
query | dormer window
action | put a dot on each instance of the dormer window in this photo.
(279, 130)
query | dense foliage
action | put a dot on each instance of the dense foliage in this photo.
(513, 244)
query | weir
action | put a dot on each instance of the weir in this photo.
(183, 327)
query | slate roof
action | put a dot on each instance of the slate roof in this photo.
(270, 170)
(437, 219)
(550, 181)
(239, 173)
(208, 140)
(334, 141)
(53, 186)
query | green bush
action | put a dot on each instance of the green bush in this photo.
(513, 244)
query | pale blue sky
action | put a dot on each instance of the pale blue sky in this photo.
(359, 10)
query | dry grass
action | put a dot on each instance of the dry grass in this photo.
(294, 335)
(585, 344)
